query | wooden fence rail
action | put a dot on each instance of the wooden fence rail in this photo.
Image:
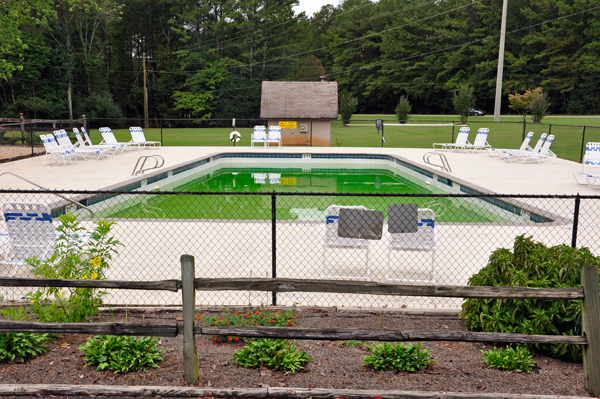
(589, 293)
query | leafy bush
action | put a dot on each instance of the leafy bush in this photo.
(463, 100)
(21, 346)
(121, 353)
(348, 106)
(100, 105)
(262, 317)
(509, 359)
(72, 259)
(403, 109)
(531, 264)
(277, 354)
(538, 105)
(399, 357)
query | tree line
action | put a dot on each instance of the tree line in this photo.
(207, 58)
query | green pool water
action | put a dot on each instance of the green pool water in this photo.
(295, 207)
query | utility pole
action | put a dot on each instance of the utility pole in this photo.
(146, 92)
(500, 62)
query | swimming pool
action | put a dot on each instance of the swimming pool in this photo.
(246, 182)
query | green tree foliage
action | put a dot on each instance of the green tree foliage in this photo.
(463, 100)
(403, 109)
(347, 106)
(311, 69)
(531, 264)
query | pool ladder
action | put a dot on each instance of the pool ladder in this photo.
(157, 158)
(445, 165)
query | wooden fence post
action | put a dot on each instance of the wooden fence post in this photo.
(590, 320)
(190, 359)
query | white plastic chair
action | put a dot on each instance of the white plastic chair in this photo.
(30, 232)
(86, 153)
(461, 141)
(496, 152)
(331, 239)
(425, 239)
(480, 142)
(506, 153)
(590, 173)
(260, 178)
(259, 136)
(137, 136)
(543, 155)
(108, 137)
(274, 135)
(274, 178)
(55, 151)
(110, 149)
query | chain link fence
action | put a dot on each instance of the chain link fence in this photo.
(310, 236)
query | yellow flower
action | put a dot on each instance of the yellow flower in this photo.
(97, 261)
(84, 278)
(33, 301)
(94, 276)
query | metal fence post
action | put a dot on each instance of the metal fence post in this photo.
(452, 141)
(274, 242)
(582, 146)
(575, 222)
(524, 128)
(190, 359)
(549, 130)
(161, 137)
(590, 328)
(31, 138)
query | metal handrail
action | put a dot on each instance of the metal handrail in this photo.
(445, 166)
(145, 158)
(47, 189)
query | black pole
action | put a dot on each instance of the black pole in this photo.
(31, 137)
(274, 242)
(575, 222)
(549, 130)
(161, 138)
(382, 139)
(452, 141)
(524, 128)
(582, 146)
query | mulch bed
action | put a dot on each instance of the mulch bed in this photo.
(457, 367)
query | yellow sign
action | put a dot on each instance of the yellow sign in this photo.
(287, 124)
(288, 181)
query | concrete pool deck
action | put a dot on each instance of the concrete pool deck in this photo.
(477, 168)
(462, 249)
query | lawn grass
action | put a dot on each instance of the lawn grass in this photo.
(506, 134)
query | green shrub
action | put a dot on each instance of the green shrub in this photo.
(463, 100)
(121, 353)
(399, 357)
(509, 359)
(263, 317)
(403, 109)
(538, 105)
(277, 354)
(531, 264)
(348, 106)
(21, 346)
(73, 259)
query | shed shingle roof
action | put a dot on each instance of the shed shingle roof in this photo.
(299, 100)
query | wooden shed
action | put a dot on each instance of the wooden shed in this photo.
(304, 110)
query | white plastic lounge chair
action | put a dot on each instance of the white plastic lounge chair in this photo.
(274, 135)
(274, 178)
(86, 153)
(137, 136)
(544, 155)
(120, 146)
(425, 239)
(260, 178)
(460, 143)
(110, 149)
(55, 151)
(259, 136)
(496, 152)
(108, 137)
(536, 149)
(331, 239)
(480, 142)
(590, 174)
(30, 232)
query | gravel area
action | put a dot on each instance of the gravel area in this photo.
(457, 367)
(8, 152)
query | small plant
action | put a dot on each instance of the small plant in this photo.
(403, 109)
(353, 343)
(262, 317)
(121, 353)
(277, 354)
(538, 106)
(463, 100)
(19, 314)
(21, 346)
(399, 357)
(76, 260)
(348, 106)
(509, 359)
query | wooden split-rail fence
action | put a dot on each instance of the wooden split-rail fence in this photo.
(588, 293)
